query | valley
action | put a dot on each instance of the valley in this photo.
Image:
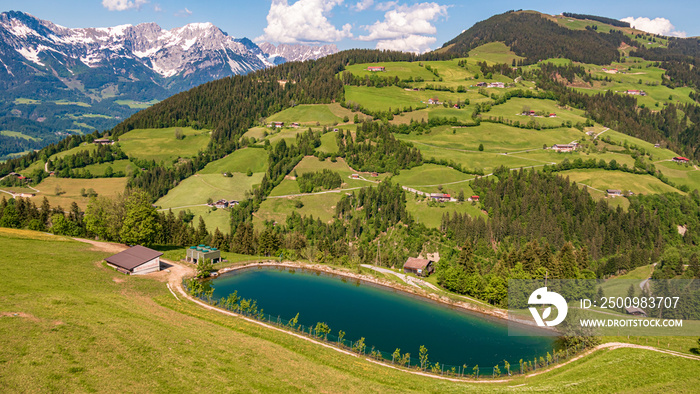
(492, 160)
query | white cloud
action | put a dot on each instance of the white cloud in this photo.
(362, 5)
(183, 13)
(661, 26)
(157, 8)
(406, 28)
(386, 6)
(122, 5)
(412, 43)
(305, 21)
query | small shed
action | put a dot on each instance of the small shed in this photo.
(420, 267)
(137, 260)
(196, 253)
(636, 311)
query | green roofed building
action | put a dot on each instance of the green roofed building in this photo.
(196, 253)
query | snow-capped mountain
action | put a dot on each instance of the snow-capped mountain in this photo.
(181, 53)
(76, 73)
(296, 52)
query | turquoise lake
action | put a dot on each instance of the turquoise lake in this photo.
(387, 318)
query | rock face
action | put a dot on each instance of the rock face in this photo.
(296, 52)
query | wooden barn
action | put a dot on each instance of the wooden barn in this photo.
(137, 260)
(420, 267)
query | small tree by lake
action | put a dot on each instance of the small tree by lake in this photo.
(360, 345)
(204, 268)
(322, 329)
(423, 356)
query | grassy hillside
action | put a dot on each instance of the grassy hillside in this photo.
(161, 144)
(63, 191)
(101, 323)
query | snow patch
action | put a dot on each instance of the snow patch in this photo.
(188, 43)
(31, 54)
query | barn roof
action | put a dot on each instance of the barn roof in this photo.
(416, 263)
(133, 257)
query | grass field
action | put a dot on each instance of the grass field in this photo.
(494, 52)
(124, 166)
(403, 70)
(78, 103)
(307, 114)
(161, 144)
(513, 108)
(320, 206)
(431, 216)
(107, 187)
(329, 143)
(602, 179)
(23, 100)
(83, 147)
(241, 160)
(496, 138)
(199, 188)
(429, 175)
(37, 165)
(136, 104)
(382, 99)
(81, 326)
(17, 134)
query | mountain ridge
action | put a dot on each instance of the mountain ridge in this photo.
(112, 71)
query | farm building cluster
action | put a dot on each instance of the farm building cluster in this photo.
(499, 85)
(279, 125)
(564, 148)
(221, 204)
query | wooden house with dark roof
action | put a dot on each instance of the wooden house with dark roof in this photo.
(420, 267)
(137, 260)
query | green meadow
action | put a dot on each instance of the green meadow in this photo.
(124, 166)
(306, 114)
(136, 104)
(17, 134)
(242, 160)
(493, 52)
(101, 323)
(63, 191)
(603, 180)
(496, 138)
(512, 110)
(161, 144)
(199, 188)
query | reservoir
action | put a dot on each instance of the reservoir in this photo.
(386, 318)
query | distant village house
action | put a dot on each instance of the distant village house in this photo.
(102, 141)
(681, 159)
(614, 192)
(563, 148)
(376, 68)
(440, 197)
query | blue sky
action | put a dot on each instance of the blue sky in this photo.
(403, 25)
